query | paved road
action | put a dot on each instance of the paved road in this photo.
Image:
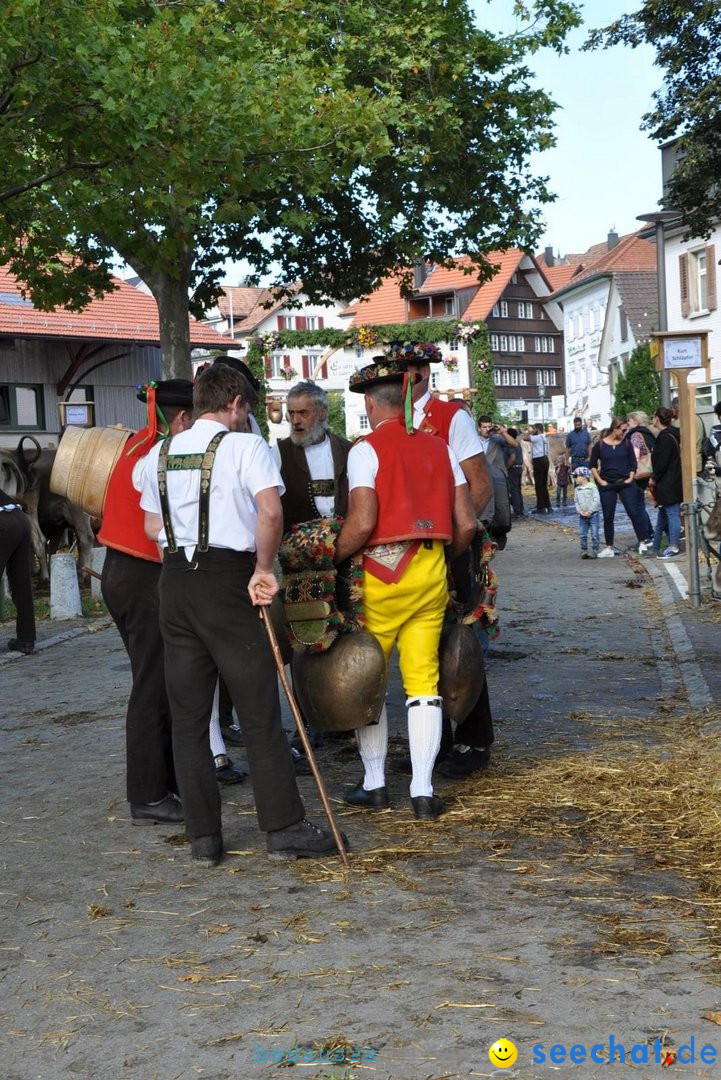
(559, 902)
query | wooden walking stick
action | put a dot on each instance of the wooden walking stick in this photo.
(302, 733)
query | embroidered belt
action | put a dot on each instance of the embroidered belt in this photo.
(324, 488)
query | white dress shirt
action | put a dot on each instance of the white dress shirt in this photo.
(243, 467)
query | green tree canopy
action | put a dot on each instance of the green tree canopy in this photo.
(687, 40)
(322, 142)
(638, 388)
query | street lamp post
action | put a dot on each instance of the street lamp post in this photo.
(542, 399)
(659, 218)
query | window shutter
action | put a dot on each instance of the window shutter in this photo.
(300, 322)
(305, 363)
(683, 284)
(267, 360)
(324, 372)
(711, 277)
(320, 322)
(281, 322)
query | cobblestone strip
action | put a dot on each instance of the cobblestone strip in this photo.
(697, 691)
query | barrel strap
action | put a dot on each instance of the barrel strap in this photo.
(184, 462)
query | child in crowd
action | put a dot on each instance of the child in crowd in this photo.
(562, 474)
(588, 504)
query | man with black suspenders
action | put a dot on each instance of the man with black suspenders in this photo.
(212, 501)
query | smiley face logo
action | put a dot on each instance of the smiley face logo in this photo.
(503, 1053)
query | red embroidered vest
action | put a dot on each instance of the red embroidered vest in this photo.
(123, 525)
(415, 487)
(438, 417)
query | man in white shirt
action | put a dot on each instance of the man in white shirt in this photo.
(212, 501)
(540, 465)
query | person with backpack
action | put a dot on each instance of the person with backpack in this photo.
(642, 439)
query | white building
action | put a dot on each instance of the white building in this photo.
(609, 307)
(692, 303)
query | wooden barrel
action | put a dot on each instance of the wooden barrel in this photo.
(83, 463)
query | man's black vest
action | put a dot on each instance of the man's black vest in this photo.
(298, 503)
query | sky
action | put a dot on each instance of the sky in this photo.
(604, 169)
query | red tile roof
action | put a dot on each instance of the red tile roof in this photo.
(632, 254)
(124, 315)
(386, 305)
(249, 305)
(559, 275)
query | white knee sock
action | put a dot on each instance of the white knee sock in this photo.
(425, 720)
(217, 742)
(373, 745)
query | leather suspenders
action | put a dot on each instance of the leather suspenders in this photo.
(181, 462)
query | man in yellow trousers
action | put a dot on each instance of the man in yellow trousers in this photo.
(409, 506)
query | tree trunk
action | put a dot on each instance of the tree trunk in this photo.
(171, 296)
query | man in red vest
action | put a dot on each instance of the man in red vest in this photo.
(408, 500)
(130, 589)
(451, 421)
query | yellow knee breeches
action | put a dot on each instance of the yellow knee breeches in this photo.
(410, 613)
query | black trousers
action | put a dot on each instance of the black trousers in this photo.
(16, 558)
(515, 474)
(477, 729)
(209, 625)
(540, 482)
(130, 589)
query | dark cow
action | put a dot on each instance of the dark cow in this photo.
(50, 515)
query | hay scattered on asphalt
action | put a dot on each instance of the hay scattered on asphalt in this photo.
(644, 799)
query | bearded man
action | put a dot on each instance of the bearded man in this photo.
(312, 461)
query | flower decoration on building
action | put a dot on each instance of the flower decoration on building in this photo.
(467, 330)
(450, 363)
(483, 363)
(270, 341)
(367, 336)
(287, 371)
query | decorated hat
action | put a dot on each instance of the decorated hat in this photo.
(159, 396)
(178, 392)
(415, 352)
(582, 471)
(383, 370)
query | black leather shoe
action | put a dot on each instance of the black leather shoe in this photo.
(302, 840)
(428, 807)
(207, 850)
(300, 763)
(169, 811)
(21, 646)
(375, 799)
(226, 772)
(463, 761)
(232, 735)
